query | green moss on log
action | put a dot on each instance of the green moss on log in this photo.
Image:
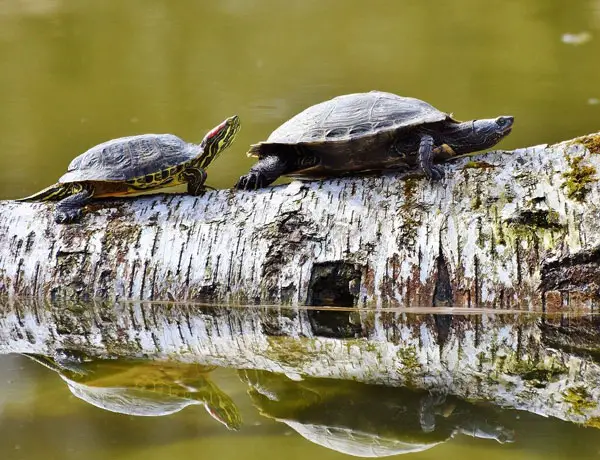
(592, 143)
(577, 178)
(579, 399)
(478, 165)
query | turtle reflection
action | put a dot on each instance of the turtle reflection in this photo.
(369, 420)
(145, 388)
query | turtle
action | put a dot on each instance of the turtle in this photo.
(144, 387)
(369, 420)
(368, 132)
(135, 164)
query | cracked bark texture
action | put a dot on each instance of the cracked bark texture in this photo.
(506, 229)
(545, 364)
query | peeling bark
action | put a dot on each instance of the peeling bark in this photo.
(503, 230)
(544, 364)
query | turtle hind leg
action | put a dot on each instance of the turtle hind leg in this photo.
(70, 209)
(195, 178)
(263, 173)
(426, 154)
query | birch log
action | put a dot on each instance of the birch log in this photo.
(547, 365)
(506, 229)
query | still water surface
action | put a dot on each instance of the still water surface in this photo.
(41, 418)
(262, 383)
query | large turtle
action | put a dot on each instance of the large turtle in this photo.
(373, 131)
(133, 164)
(365, 420)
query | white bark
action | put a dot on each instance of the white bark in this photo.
(503, 230)
(541, 364)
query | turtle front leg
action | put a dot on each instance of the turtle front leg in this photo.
(433, 172)
(70, 209)
(263, 173)
(195, 178)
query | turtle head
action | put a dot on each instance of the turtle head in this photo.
(224, 411)
(475, 135)
(218, 139)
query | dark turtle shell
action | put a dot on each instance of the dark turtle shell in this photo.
(129, 157)
(353, 118)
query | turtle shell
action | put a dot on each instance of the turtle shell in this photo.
(145, 388)
(129, 157)
(353, 117)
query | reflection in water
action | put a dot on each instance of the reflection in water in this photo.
(541, 364)
(358, 382)
(144, 388)
(349, 417)
(369, 420)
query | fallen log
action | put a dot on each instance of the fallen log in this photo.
(506, 229)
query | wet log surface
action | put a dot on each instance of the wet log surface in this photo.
(543, 364)
(503, 230)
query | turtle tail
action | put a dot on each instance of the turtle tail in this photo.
(53, 193)
(43, 360)
(255, 150)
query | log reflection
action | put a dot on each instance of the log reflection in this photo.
(541, 364)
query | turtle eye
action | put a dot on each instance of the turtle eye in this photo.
(504, 121)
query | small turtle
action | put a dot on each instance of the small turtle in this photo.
(362, 132)
(134, 164)
(144, 387)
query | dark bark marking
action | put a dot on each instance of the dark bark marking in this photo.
(477, 286)
(29, 242)
(518, 256)
(579, 272)
(442, 293)
(132, 278)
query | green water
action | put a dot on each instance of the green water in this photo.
(79, 72)
(40, 418)
(276, 382)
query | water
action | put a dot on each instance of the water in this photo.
(40, 418)
(91, 382)
(76, 73)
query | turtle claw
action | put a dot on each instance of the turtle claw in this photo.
(251, 181)
(67, 217)
(70, 209)
(435, 173)
(199, 191)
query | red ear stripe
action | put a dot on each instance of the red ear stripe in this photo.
(216, 130)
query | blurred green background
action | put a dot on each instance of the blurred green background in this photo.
(75, 73)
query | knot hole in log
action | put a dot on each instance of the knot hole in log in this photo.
(334, 284)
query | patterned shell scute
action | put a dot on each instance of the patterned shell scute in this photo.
(128, 157)
(355, 115)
